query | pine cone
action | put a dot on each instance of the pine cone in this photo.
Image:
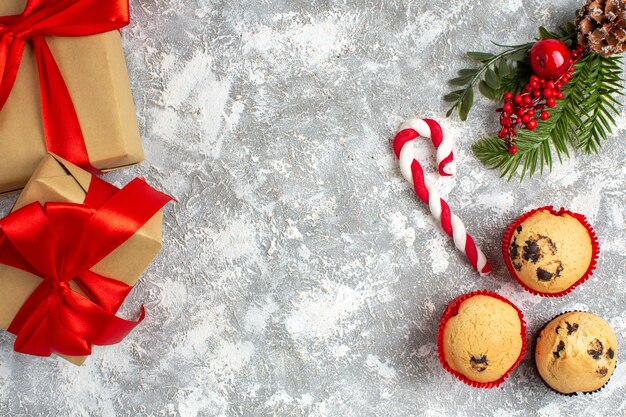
(602, 26)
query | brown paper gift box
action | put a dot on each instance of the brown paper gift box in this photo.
(56, 180)
(94, 70)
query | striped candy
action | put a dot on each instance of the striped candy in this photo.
(414, 174)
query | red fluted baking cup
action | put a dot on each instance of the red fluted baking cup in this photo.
(595, 249)
(451, 311)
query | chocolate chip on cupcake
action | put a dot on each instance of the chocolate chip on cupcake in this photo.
(482, 338)
(550, 252)
(576, 352)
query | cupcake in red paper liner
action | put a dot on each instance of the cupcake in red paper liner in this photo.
(550, 252)
(576, 352)
(482, 339)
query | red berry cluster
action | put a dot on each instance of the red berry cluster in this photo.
(521, 110)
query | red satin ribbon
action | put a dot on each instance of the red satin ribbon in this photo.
(55, 18)
(60, 242)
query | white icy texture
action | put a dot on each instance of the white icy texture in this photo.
(299, 274)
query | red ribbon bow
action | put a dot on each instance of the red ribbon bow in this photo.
(60, 242)
(55, 18)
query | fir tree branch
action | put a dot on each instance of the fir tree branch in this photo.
(583, 119)
(603, 82)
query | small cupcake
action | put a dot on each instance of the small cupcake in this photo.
(482, 339)
(576, 352)
(550, 252)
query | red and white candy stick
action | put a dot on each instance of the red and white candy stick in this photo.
(414, 174)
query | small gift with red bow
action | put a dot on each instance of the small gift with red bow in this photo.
(64, 87)
(70, 252)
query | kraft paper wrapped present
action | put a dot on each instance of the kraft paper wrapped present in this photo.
(56, 180)
(93, 69)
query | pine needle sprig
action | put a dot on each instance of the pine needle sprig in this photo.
(582, 120)
(603, 84)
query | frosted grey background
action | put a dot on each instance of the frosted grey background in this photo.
(300, 275)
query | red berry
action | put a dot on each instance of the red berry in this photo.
(506, 121)
(558, 85)
(559, 95)
(525, 118)
(544, 115)
(550, 85)
(534, 79)
(508, 96)
(547, 93)
(508, 107)
(572, 69)
(531, 125)
(549, 58)
(528, 100)
(520, 112)
(518, 99)
(503, 133)
(530, 112)
(551, 102)
(537, 93)
(513, 149)
(528, 88)
(534, 85)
